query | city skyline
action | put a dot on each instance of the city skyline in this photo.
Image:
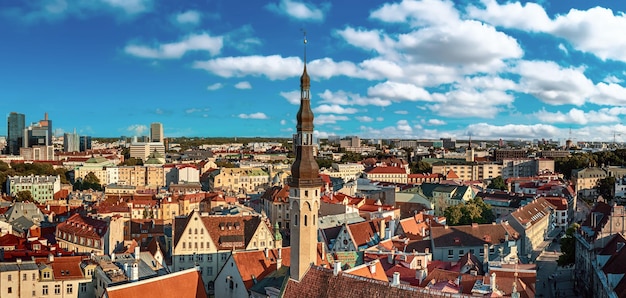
(402, 69)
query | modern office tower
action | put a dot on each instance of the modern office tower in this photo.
(38, 134)
(156, 132)
(71, 142)
(15, 132)
(85, 143)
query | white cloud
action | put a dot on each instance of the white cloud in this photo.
(597, 30)
(436, 122)
(417, 13)
(563, 49)
(190, 17)
(364, 119)
(470, 103)
(347, 98)
(299, 10)
(577, 116)
(283, 122)
(380, 119)
(130, 6)
(243, 85)
(53, 10)
(214, 87)
(334, 109)
(137, 129)
(398, 91)
(293, 97)
(273, 67)
(611, 79)
(329, 119)
(553, 84)
(257, 115)
(513, 131)
(401, 112)
(193, 42)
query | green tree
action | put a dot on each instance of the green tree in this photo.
(568, 246)
(453, 215)
(497, 183)
(606, 187)
(324, 162)
(131, 161)
(90, 181)
(24, 195)
(351, 157)
(421, 167)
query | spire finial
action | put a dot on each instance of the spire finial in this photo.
(304, 33)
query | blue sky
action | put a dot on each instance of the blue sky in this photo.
(402, 69)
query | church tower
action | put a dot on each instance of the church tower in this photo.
(304, 187)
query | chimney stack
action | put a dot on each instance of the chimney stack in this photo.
(135, 272)
(381, 230)
(493, 281)
(137, 252)
(390, 257)
(279, 259)
(396, 279)
(372, 267)
(266, 253)
(337, 268)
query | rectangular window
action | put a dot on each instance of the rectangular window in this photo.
(24, 276)
(209, 271)
(450, 254)
(44, 290)
(69, 289)
(57, 289)
(9, 290)
(210, 258)
(9, 277)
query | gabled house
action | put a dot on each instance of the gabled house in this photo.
(533, 222)
(450, 243)
(207, 241)
(360, 236)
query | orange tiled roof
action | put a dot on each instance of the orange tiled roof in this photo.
(181, 284)
(254, 264)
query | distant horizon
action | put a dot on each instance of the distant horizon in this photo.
(403, 69)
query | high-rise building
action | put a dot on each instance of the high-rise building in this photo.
(38, 134)
(71, 142)
(15, 132)
(85, 143)
(305, 187)
(156, 132)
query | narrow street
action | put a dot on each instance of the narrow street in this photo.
(552, 280)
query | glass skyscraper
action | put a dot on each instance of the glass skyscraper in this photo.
(15, 132)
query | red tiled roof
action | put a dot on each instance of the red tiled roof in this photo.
(532, 212)
(64, 267)
(182, 284)
(254, 265)
(276, 194)
(84, 226)
(320, 282)
(386, 170)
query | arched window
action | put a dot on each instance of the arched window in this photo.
(295, 219)
(196, 231)
(305, 219)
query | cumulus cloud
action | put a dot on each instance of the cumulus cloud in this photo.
(398, 91)
(243, 85)
(273, 67)
(175, 50)
(214, 87)
(334, 109)
(329, 119)
(514, 131)
(436, 122)
(347, 98)
(190, 17)
(302, 11)
(364, 119)
(293, 97)
(553, 84)
(283, 122)
(401, 112)
(581, 117)
(257, 115)
(596, 30)
(137, 129)
(53, 10)
(470, 103)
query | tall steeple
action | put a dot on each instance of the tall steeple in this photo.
(305, 186)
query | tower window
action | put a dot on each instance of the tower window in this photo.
(305, 220)
(306, 193)
(295, 219)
